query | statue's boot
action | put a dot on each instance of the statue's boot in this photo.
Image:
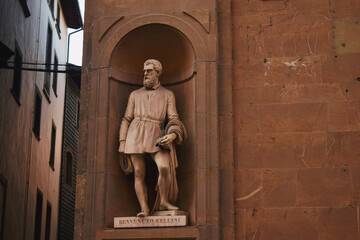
(143, 214)
(167, 206)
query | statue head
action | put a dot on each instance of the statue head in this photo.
(152, 72)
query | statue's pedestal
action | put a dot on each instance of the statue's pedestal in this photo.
(173, 218)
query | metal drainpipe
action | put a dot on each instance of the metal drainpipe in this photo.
(68, 46)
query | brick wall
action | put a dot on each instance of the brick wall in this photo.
(70, 143)
(296, 118)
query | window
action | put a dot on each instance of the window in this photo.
(51, 5)
(57, 25)
(48, 221)
(69, 169)
(37, 114)
(48, 63)
(17, 77)
(6, 53)
(2, 204)
(25, 8)
(38, 215)
(55, 75)
(52, 146)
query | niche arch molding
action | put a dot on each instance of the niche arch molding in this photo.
(122, 29)
(200, 93)
(157, 41)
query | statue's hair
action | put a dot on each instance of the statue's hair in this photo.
(157, 65)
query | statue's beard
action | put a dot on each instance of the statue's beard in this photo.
(149, 83)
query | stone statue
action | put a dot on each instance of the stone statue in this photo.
(143, 131)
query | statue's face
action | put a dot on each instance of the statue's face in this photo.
(150, 76)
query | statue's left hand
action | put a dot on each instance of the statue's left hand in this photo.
(167, 139)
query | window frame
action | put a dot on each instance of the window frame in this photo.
(55, 74)
(48, 55)
(17, 74)
(38, 213)
(48, 221)
(57, 20)
(52, 146)
(37, 124)
(68, 176)
(51, 4)
(25, 8)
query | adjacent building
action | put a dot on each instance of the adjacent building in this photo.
(70, 145)
(33, 42)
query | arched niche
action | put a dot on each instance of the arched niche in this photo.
(175, 52)
(157, 41)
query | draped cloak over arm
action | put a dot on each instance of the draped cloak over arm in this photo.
(177, 127)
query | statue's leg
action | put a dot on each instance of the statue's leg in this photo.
(162, 160)
(140, 186)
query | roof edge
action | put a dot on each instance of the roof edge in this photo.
(72, 14)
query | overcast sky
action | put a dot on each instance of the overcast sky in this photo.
(76, 41)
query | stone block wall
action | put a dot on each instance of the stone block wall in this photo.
(287, 83)
(119, 36)
(296, 119)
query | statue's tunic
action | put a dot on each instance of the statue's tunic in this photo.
(146, 110)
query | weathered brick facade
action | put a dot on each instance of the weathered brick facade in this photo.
(70, 145)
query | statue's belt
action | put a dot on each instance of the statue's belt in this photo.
(161, 124)
(148, 120)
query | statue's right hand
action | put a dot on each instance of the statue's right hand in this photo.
(122, 146)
